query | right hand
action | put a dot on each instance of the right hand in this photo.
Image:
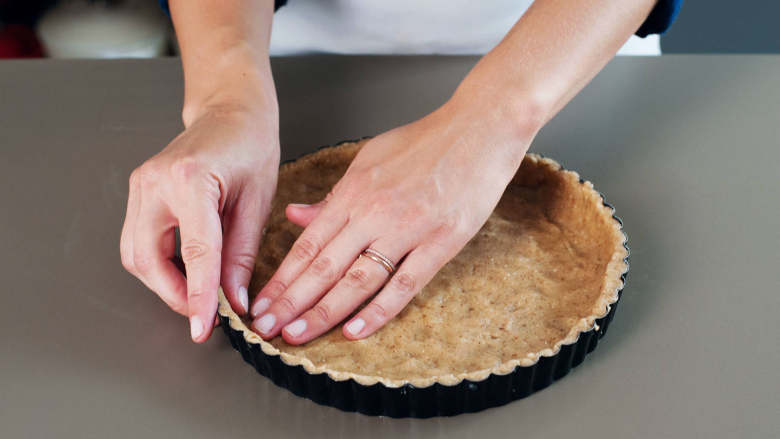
(215, 181)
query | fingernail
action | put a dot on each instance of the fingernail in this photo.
(354, 327)
(300, 205)
(196, 327)
(296, 328)
(265, 323)
(243, 297)
(260, 306)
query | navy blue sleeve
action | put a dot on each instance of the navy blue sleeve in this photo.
(164, 5)
(660, 18)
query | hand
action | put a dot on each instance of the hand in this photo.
(215, 182)
(416, 194)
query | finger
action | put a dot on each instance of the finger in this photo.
(128, 228)
(243, 227)
(303, 214)
(325, 270)
(360, 282)
(154, 245)
(201, 251)
(304, 250)
(417, 269)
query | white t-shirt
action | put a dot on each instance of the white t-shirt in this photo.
(456, 27)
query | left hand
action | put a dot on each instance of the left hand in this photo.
(418, 193)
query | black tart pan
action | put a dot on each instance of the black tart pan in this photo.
(436, 399)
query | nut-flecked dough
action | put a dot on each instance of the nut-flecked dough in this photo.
(545, 265)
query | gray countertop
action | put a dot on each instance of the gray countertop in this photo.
(685, 147)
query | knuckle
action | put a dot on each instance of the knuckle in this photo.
(142, 262)
(413, 212)
(134, 177)
(185, 169)
(449, 226)
(288, 305)
(305, 249)
(377, 310)
(322, 267)
(144, 176)
(462, 230)
(126, 252)
(193, 250)
(374, 173)
(178, 307)
(381, 201)
(196, 294)
(275, 287)
(127, 260)
(323, 312)
(404, 283)
(358, 278)
(244, 261)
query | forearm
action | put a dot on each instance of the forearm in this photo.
(224, 47)
(548, 57)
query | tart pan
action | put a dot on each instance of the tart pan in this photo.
(434, 400)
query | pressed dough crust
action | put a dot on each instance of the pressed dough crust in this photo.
(546, 264)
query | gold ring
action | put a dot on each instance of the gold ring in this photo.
(383, 260)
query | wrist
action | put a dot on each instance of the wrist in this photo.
(506, 123)
(517, 105)
(510, 110)
(238, 81)
(262, 114)
(251, 127)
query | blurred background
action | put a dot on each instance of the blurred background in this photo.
(139, 28)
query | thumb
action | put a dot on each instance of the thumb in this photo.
(243, 225)
(303, 214)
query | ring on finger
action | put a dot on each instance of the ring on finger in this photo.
(379, 258)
